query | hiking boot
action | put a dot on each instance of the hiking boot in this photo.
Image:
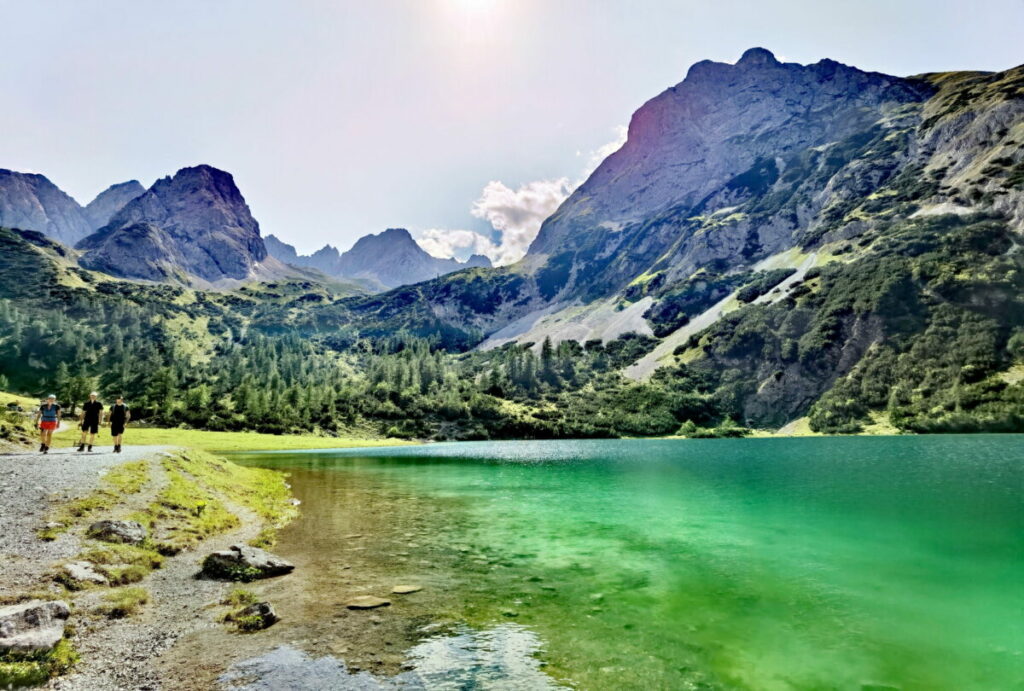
(90, 448)
(46, 449)
(41, 447)
(117, 449)
(81, 448)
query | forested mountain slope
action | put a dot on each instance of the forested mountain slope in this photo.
(773, 241)
(902, 198)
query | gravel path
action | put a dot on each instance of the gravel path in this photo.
(28, 483)
(116, 654)
(121, 654)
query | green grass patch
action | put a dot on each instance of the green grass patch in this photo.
(229, 441)
(35, 669)
(128, 555)
(187, 512)
(239, 597)
(123, 602)
(194, 505)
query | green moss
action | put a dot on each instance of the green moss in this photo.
(230, 572)
(35, 669)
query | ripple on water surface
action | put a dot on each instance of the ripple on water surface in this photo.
(503, 657)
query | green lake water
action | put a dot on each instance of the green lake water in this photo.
(817, 563)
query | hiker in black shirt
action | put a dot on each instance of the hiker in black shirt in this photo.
(90, 418)
(118, 416)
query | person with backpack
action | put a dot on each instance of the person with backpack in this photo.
(48, 419)
(90, 419)
(118, 417)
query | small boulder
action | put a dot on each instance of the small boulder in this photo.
(367, 602)
(255, 617)
(245, 563)
(406, 589)
(32, 627)
(123, 532)
(82, 572)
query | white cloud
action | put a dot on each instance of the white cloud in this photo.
(446, 243)
(515, 214)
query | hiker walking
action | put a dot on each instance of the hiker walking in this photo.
(48, 419)
(90, 419)
(118, 416)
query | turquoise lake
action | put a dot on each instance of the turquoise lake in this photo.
(813, 563)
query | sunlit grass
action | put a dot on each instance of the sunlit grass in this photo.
(223, 441)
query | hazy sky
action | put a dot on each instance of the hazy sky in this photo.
(339, 118)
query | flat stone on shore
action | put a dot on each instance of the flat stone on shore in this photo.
(406, 589)
(367, 602)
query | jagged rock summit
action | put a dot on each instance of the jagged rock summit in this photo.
(697, 136)
(388, 259)
(194, 224)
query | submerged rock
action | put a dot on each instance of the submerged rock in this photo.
(124, 532)
(32, 627)
(80, 572)
(245, 563)
(406, 589)
(367, 602)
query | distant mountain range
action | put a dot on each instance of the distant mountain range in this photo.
(389, 259)
(785, 240)
(195, 228)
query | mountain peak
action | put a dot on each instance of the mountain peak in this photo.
(757, 56)
(29, 201)
(197, 215)
(111, 200)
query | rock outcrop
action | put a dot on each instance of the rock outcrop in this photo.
(32, 627)
(123, 532)
(76, 574)
(255, 617)
(245, 563)
(194, 224)
(29, 201)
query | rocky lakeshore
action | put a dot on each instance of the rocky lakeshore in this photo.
(101, 559)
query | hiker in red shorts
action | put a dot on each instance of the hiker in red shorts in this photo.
(48, 417)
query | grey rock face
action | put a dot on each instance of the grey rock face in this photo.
(32, 627)
(123, 532)
(390, 259)
(111, 200)
(695, 137)
(31, 202)
(242, 562)
(195, 223)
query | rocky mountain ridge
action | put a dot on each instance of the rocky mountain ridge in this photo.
(388, 259)
(30, 201)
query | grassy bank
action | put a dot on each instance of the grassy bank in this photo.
(222, 441)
